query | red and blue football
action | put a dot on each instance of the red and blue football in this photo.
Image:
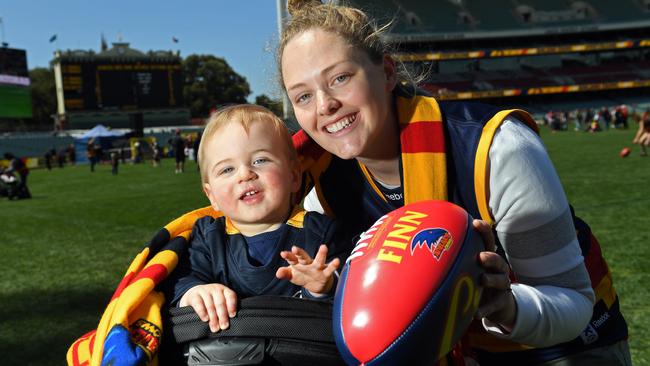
(625, 152)
(410, 288)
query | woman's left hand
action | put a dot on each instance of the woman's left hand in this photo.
(497, 301)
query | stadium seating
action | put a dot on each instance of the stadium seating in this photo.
(418, 18)
(619, 11)
(546, 5)
(489, 19)
(527, 78)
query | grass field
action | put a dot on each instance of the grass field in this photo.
(63, 252)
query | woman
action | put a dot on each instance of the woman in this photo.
(386, 147)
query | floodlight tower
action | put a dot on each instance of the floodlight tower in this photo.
(282, 14)
(2, 34)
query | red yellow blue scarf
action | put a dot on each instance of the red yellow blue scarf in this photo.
(130, 329)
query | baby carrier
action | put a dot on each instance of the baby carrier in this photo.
(268, 330)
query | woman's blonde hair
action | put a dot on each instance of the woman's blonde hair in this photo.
(359, 30)
(245, 115)
(351, 24)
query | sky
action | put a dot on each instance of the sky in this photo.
(243, 32)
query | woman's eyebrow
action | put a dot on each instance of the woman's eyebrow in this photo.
(324, 71)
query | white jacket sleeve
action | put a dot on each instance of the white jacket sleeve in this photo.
(534, 225)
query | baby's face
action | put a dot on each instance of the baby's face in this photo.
(250, 176)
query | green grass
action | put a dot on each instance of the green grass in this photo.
(613, 196)
(63, 252)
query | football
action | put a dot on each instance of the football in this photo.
(625, 152)
(410, 288)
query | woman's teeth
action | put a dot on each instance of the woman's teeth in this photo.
(338, 126)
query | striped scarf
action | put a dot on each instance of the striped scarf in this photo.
(130, 329)
(424, 162)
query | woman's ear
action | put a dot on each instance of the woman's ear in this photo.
(390, 70)
(208, 192)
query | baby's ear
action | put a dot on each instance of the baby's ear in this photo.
(296, 176)
(208, 192)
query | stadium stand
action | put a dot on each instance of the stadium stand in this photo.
(514, 52)
(488, 19)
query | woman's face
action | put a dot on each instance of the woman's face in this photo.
(340, 97)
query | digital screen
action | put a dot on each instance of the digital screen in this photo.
(15, 97)
(117, 86)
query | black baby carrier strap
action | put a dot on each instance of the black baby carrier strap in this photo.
(268, 330)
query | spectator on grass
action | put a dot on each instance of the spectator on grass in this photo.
(588, 118)
(18, 166)
(620, 117)
(115, 162)
(605, 117)
(72, 154)
(195, 146)
(91, 154)
(594, 125)
(137, 152)
(60, 158)
(47, 158)
(178, 142)
(156, 153)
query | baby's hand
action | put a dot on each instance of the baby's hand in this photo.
(214, 303)
(313, 275)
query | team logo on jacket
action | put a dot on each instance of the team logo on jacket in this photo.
(435, 240)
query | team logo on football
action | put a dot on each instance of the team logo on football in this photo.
(435, 240)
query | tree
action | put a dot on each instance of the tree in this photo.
(210, 82)
(274, 105)
(43, 95)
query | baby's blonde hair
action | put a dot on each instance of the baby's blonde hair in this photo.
(245, 115)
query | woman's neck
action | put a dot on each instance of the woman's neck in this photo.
(383, 161)
(383, 170)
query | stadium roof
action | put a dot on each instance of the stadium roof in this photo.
(120, 51)
(435, 20)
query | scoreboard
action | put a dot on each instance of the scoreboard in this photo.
(91, 86)
(13, 62)
(15, 97)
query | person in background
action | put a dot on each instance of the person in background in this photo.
(91, 154)
(19, 167)
(60, 158)
(156, 152)
(195, 146)
(178, 143)
(642, 136)
(72, 154)
(48, 159)
(115, 162)
(606, 117)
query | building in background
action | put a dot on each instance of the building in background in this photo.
(119, 87)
